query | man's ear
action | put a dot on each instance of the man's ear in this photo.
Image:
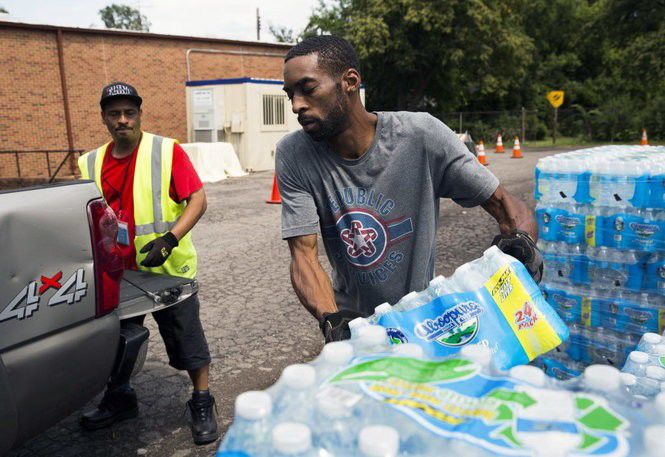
(351, 80)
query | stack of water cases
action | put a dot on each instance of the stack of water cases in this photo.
(368, 398)
(601, 217)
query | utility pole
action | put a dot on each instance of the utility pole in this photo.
(258, 25)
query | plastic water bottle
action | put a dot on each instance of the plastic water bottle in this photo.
(371, 339)
(334, 428)
(292, 439)
(653, 441)
(412, 300)
(295, 390)
(378, 441)
(532, 427)
(250, 432)
(356, 324)
(529, 374)
(382, 309)
(439, 287)
(648, 342)
(637, 364)
(333, 356)
(602, 379)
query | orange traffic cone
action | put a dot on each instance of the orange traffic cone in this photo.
(482, 159)
(499, 145)
(644, 141)
(275, 197)
(517, 151)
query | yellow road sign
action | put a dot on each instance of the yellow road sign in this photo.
(555, 98)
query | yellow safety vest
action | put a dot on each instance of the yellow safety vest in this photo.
(155, 213)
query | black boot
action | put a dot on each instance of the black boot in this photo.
(203, 417)
(116, 405)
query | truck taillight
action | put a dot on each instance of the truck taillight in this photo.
(108, 263)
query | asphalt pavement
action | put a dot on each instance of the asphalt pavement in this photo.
(253, 321)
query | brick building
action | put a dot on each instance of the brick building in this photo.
(51, 79)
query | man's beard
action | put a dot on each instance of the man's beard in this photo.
(335, 122)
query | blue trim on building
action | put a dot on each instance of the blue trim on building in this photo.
(226, 81)
(245, 80)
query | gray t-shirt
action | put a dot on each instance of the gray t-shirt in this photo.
(378, 214)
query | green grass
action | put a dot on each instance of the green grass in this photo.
(563, 142)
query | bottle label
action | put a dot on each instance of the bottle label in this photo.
(590, 230)
(453, 398)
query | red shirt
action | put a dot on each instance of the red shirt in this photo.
(118, 190)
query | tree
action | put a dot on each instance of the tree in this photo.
(124, 17)
(416, 54)
(283, 34)
(3, 10)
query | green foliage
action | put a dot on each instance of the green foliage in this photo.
(474, 55)
(124, 17)
(3, 10)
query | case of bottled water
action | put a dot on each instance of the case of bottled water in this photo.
(491, 301)
(368, 398)
(601, 218)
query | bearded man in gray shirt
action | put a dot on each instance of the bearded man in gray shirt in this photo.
(370, 183)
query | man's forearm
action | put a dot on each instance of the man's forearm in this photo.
(511, 213)
(196, 207)
(312, 285)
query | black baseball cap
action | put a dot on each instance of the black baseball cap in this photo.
(119, 90)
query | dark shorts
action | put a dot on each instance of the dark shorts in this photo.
(182, 333)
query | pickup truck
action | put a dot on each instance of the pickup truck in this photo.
(63, 294)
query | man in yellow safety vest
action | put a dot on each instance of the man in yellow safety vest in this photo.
(157, 197)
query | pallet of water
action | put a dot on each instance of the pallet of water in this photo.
(601, 218)
(368, 398)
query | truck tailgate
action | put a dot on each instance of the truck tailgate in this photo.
(142, 292)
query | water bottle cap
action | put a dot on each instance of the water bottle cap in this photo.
(658, 350)
(602, 377)
(382, 309)
(653, 440)
(477, 353)
(639, 357)
(436, 281)
(379, 441)
(651, 338)
(410, 296)
(357, 323)
(299, 376)
(373, 335)
(657, 373)
(628, 379)
(530, 374)
(409, 350)
(253, 405)
(337, 353)
(291, 438)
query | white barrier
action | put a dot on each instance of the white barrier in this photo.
(214, 161)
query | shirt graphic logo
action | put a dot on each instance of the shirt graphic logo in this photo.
(360, 240)
(364, 236)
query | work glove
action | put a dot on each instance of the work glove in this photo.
(335, 326)
(159, 250)
(520, 245)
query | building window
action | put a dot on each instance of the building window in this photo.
(273, 109)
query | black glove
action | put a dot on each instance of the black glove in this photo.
(335, 326)
(159, 250)
(520, 245)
